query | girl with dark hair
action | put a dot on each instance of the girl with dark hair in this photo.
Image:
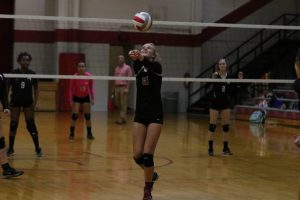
(81, 93)
(22, 92)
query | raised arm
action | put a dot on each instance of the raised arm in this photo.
(135, 54)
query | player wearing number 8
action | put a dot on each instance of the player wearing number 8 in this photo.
(22, 99)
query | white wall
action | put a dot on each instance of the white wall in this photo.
(33, 7)
(176, 60)
(175, 65)
(43, 60)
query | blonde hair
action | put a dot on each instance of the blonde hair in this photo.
(155, 53)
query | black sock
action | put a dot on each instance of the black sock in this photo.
(89, 130)
(210, 144)
(5, 166)
(72, 129)
(149, 185)
(35, 139)
(225, 145)
(11, 142)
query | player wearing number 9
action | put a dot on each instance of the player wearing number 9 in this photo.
(22, 99)
(220, 103)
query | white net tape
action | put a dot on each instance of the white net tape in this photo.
(164, 23)
(169, 79)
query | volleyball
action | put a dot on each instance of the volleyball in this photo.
(142, 21)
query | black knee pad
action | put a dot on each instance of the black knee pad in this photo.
(87, 116)
(2, 143)
(74, 116)
(212, 127)
(139, 161)
(148, 160)
(226, 128)
(13, 128)
(31, 127)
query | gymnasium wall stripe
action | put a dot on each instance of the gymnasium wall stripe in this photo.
(88, 36)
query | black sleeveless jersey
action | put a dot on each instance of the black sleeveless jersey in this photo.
(221, 90)
(148, 83)
(21, 88)
(3, 94)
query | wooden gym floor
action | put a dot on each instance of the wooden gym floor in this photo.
(265, 164)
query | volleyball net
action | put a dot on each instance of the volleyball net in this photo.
(188, 51)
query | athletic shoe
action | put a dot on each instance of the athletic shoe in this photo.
(11, 172)
(39, 152)
(155, 177)
(147, 194)
(10, 152)
(90, 136)
(210, 152)
(120, 121)
(227, 152)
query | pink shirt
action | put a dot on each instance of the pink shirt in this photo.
(125, 70)
(81, 87)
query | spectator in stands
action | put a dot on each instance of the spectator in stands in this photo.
(275, 102)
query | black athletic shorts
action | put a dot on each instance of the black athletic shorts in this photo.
(19, 103)
(220, 104)
(149, 120)
(81, 99)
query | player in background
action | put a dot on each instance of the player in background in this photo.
(81, 92)
(24, 96)
(220, 104)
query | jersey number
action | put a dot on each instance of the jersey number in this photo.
(22, 85)
(224, 88)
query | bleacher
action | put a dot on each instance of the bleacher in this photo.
(284, 111)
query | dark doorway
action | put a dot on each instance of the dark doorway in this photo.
(6, 36)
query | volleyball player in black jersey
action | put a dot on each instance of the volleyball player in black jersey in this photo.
(22, 99)
(8, 171)
(148, 118)
(220, 104)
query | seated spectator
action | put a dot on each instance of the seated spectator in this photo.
(275, 102)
